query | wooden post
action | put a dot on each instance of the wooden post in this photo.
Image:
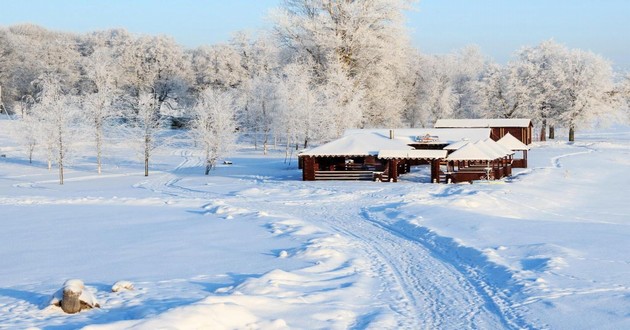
(309, 168)
(435, 170)
(70, 302)
(393, 170)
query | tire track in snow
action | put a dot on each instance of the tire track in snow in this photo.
(422, 289)
(489, 308)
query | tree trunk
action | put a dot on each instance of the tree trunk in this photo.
(208, 167)
(99, 146)
(552, 132)
(543, 130)
(571, 133)
(147, 141)
(30, 153)
(70, 302)
(60, 157)
(208, 163)
(286, 149)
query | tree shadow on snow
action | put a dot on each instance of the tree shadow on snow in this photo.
(33, 298)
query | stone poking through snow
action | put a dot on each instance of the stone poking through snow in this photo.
(122, 286)
(73, 297)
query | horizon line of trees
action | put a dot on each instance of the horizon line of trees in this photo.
(325, 66)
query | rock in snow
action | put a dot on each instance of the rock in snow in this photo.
(122, 286)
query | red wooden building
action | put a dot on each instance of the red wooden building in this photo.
(382, 155)
(519, 128)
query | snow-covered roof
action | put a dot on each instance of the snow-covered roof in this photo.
(483, 146)
(412, 154)
(476, 123)
(457, 145)
(367, 144)
(470, 152)
(512, 143)
(438, 135)
(499, 148)
(480, 150)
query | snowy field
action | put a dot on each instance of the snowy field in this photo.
(253, 247)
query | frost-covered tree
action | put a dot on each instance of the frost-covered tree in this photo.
(57, 114)
(623, 88)
(468, 65)
(436, 95)
(29, 130)
(256, 95)
(365, 39)
(586, 94)
(261, 108)
(499, 93)
(443, 86)
(297, 116)
(102, 72)
(541, 71)
(159, 66)
(217, 66)
(147, 124)
(213, 126)
(340, 104)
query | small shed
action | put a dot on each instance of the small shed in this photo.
(519, 128)
(514, 144)
(481, 160)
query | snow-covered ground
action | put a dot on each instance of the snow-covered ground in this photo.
(252, 246)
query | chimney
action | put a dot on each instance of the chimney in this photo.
(391, 134)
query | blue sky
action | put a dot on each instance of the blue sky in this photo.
(499, 27)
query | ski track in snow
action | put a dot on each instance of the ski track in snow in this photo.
(432, 290)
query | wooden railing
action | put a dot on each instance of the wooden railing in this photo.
(345, 175)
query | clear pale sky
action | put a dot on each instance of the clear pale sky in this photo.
(499, 27)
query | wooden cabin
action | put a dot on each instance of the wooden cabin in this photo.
(481, 160)
(382, 155)
(519, 128)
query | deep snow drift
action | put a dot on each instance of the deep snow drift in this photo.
(251, 246)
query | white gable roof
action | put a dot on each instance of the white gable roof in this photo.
(357, 145)
(472, 123)
(512, 143)
(485, 147)
(499, 148)
(481, 150)
(412, 154)
(470, 152)
(457, 145)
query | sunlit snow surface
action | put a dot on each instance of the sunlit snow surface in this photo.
(252, 246)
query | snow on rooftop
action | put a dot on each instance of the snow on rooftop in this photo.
(457, 145)
(485, 147)
(411, 154)
(499, 148)
(366, 144)
(480, 150)
(512, 143)
(476, 123)
(440, 135)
